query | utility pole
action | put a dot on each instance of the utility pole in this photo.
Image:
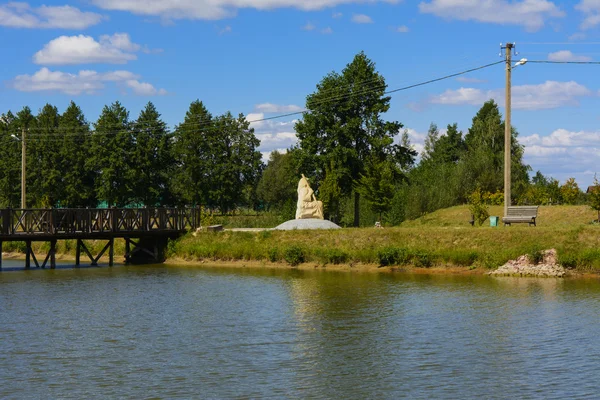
(507, 127)
(23, 163)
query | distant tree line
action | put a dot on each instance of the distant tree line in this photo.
(361, 166)
(117, 161)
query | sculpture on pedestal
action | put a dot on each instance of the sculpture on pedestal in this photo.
(308, 205)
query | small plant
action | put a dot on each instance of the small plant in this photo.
(422, 259)
(336, 256)
(294, 255)
(392, 256)
(477, 206)
(536, 256)
(273, 254)
(567, 261)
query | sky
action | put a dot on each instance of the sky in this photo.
(261, 58)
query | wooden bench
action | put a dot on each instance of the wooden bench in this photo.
(524, 214)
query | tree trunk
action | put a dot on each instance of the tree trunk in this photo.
(356, 209)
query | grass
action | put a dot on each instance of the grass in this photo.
(440, 238)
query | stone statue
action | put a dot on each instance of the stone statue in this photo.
(308, 206)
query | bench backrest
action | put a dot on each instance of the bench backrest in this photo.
(522, 211)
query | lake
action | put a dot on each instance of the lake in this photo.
(189, 332)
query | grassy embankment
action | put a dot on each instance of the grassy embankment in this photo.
(443, 238)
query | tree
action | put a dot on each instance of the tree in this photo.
(44, 185)
(594, 196)
(376, 185)
(111, 156)
(570, 192)
(237, 165)
(344, 124)
(431, 139)
(152, 159)
(77, 177)
(277, 186)
(10, 161)
(192, 155)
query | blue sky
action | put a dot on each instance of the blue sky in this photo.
(262, 57)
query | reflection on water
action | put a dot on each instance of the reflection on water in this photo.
(168, 332)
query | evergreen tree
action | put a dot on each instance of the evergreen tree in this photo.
(78, 178)
(277, 186)
(44, 185)
(111, 156)
(344, 123)
(152, 159)
(192, 153)
(10, 162)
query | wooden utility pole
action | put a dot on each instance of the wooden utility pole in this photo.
(507, 128)
(23, 163)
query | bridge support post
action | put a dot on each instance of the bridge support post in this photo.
(0, 255)
(52, 254)
(78, 253)
(28, 254)
(111, 252)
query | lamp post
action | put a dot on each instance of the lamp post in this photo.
(23, 167)
(507, 123)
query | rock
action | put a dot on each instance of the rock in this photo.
(522, 266)
(307, 224)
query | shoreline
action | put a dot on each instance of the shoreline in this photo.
(313, 266)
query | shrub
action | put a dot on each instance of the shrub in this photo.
(463, 258)
(336, 256)
(392, 256)
(294, 255)
(536, 256)
(422, 259)
(273, 254)
(568, 261)
(477, 207)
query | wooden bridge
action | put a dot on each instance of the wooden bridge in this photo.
(146, 230)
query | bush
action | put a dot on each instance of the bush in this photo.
(422, 259)
(336, 256)
(567, 261)
(273, 254)
(294, 255)
(462, 258)
(392, 256)
(477, 207)
(536, 256)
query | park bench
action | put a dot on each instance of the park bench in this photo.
(525, 214)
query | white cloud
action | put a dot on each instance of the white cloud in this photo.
(362, 19)
(273, 134)
(564, 154)
(225, 30)
(22, 15)
(567, 55)
(402, 29)
(309, 27)
(528, 13)
(216, 9)
(591, 10)
(466, 79)
(277, 108)
(327, 31)
(144, 88)
(577, 36)
(84, 82)
(337, 15)
(81, 49)
(550, 94)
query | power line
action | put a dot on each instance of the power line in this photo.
(562, 62)
(325, 100)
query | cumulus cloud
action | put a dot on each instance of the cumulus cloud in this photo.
(277, 108)
(84, 82)
(362, 19)
(530, 14)
(22, 15)
(550, 94)
(273, 134)
(309, 27)
(591, 11)
(216, 9)
(402, 29)
(337, 15)
(81, 49)
(564, 154)
(567, 55)
(327, 31)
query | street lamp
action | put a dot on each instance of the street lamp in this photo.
(23, 163)
(507, 124)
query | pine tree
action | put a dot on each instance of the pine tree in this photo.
(112, 156)
(10, 161)
(44, 184)
(78, 179)
(152, 159)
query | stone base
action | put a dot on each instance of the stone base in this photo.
(307, 224)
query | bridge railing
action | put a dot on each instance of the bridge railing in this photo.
(96, 220)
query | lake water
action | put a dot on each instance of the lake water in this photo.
(185, 332)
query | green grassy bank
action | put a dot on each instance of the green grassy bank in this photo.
(443, 238)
